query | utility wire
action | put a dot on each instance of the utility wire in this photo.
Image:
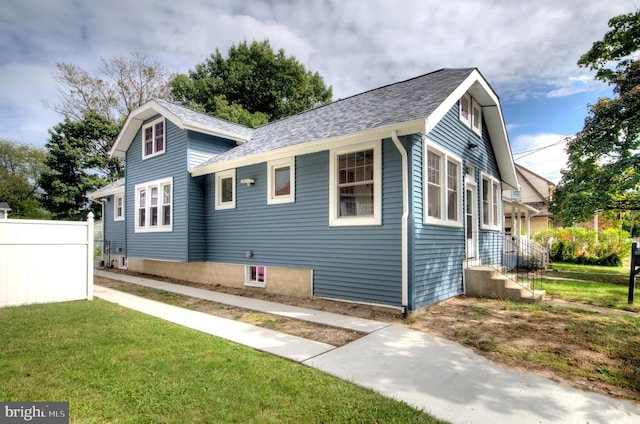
(532, 151)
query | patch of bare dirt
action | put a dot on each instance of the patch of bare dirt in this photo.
(308, 330)
(510, 337)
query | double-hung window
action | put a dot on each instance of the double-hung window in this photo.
(355, 185)
(226, 189)
(442, 186)
(154, 211)
(153, 138)
(118, 207)
(281, 181)
(491, 211)
(471, 113)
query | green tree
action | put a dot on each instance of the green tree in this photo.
(604, 160)
(74, 167)
(20, 168)
(252, 85)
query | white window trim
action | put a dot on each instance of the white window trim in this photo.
(492, 181)
(467, 120)
(272, 198)
(117, 217)
(376, 219)
(220, 205)
(476, 128)
(470, 121)
(147, 186)
(253, 283)
(446, 158)
(164, 142)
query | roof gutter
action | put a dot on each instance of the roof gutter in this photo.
(405, 220)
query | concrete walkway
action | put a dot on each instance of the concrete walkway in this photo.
(441, 377)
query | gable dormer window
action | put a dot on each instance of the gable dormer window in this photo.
(471, 113)
(153, 138)
(465, 110)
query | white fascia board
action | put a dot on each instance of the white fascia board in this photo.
(103, 193)
(149, 110)
(491, 110)
(405, 128)
(132, 125)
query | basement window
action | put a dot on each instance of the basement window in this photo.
(255, 276)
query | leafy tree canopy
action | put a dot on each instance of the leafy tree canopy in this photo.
(604, 158)
(94, 107)
(20, 168)
(253, 85)
(74, 170)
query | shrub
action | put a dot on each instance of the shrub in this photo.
(579, 245)
(564, 251)
(613, 242)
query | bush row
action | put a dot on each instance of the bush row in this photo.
(583, 246)
(573, 252)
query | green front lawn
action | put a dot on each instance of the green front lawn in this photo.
(120, 366)
(595, 285)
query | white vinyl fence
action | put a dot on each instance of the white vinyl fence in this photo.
(45, 261)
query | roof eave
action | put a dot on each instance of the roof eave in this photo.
(480, 89)
(149, 110)
(104, 193)
(404, 128)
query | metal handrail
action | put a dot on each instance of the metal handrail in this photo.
(518, 259)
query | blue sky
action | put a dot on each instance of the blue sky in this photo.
(527, 50)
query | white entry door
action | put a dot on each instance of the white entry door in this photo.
(471, 219)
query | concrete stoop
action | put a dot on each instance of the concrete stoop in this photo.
(489, 282)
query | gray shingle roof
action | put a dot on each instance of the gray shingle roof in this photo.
(4, 206)
(190, 115)
(107, 190)
(401, 102)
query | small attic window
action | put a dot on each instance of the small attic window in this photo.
(465, 110)
(153, 138)
(471, 113)
(476, 118)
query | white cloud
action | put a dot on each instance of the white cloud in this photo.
(525, 49)
(543, 154)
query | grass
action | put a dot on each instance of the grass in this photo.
(120, 366)
(595, 285)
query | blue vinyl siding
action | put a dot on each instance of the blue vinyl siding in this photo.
(173, 163)
(114, 231)
(361, 263)
(438, 252)
(197, 244)
(187, 241)
(203, 147)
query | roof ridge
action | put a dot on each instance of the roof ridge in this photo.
(342, 100)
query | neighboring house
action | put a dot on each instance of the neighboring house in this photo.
(533, 199)
(378, 198)
(4, 210)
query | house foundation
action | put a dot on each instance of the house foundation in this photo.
(283, 281)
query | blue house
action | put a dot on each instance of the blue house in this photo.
(378, 198)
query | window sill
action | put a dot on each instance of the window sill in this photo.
(354, 221)
(490, 228)
(442, 223)
(152, 155)
(154, 230)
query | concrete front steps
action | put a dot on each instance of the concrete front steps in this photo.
(485, 281)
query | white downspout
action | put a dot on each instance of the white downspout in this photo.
(405, 219)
